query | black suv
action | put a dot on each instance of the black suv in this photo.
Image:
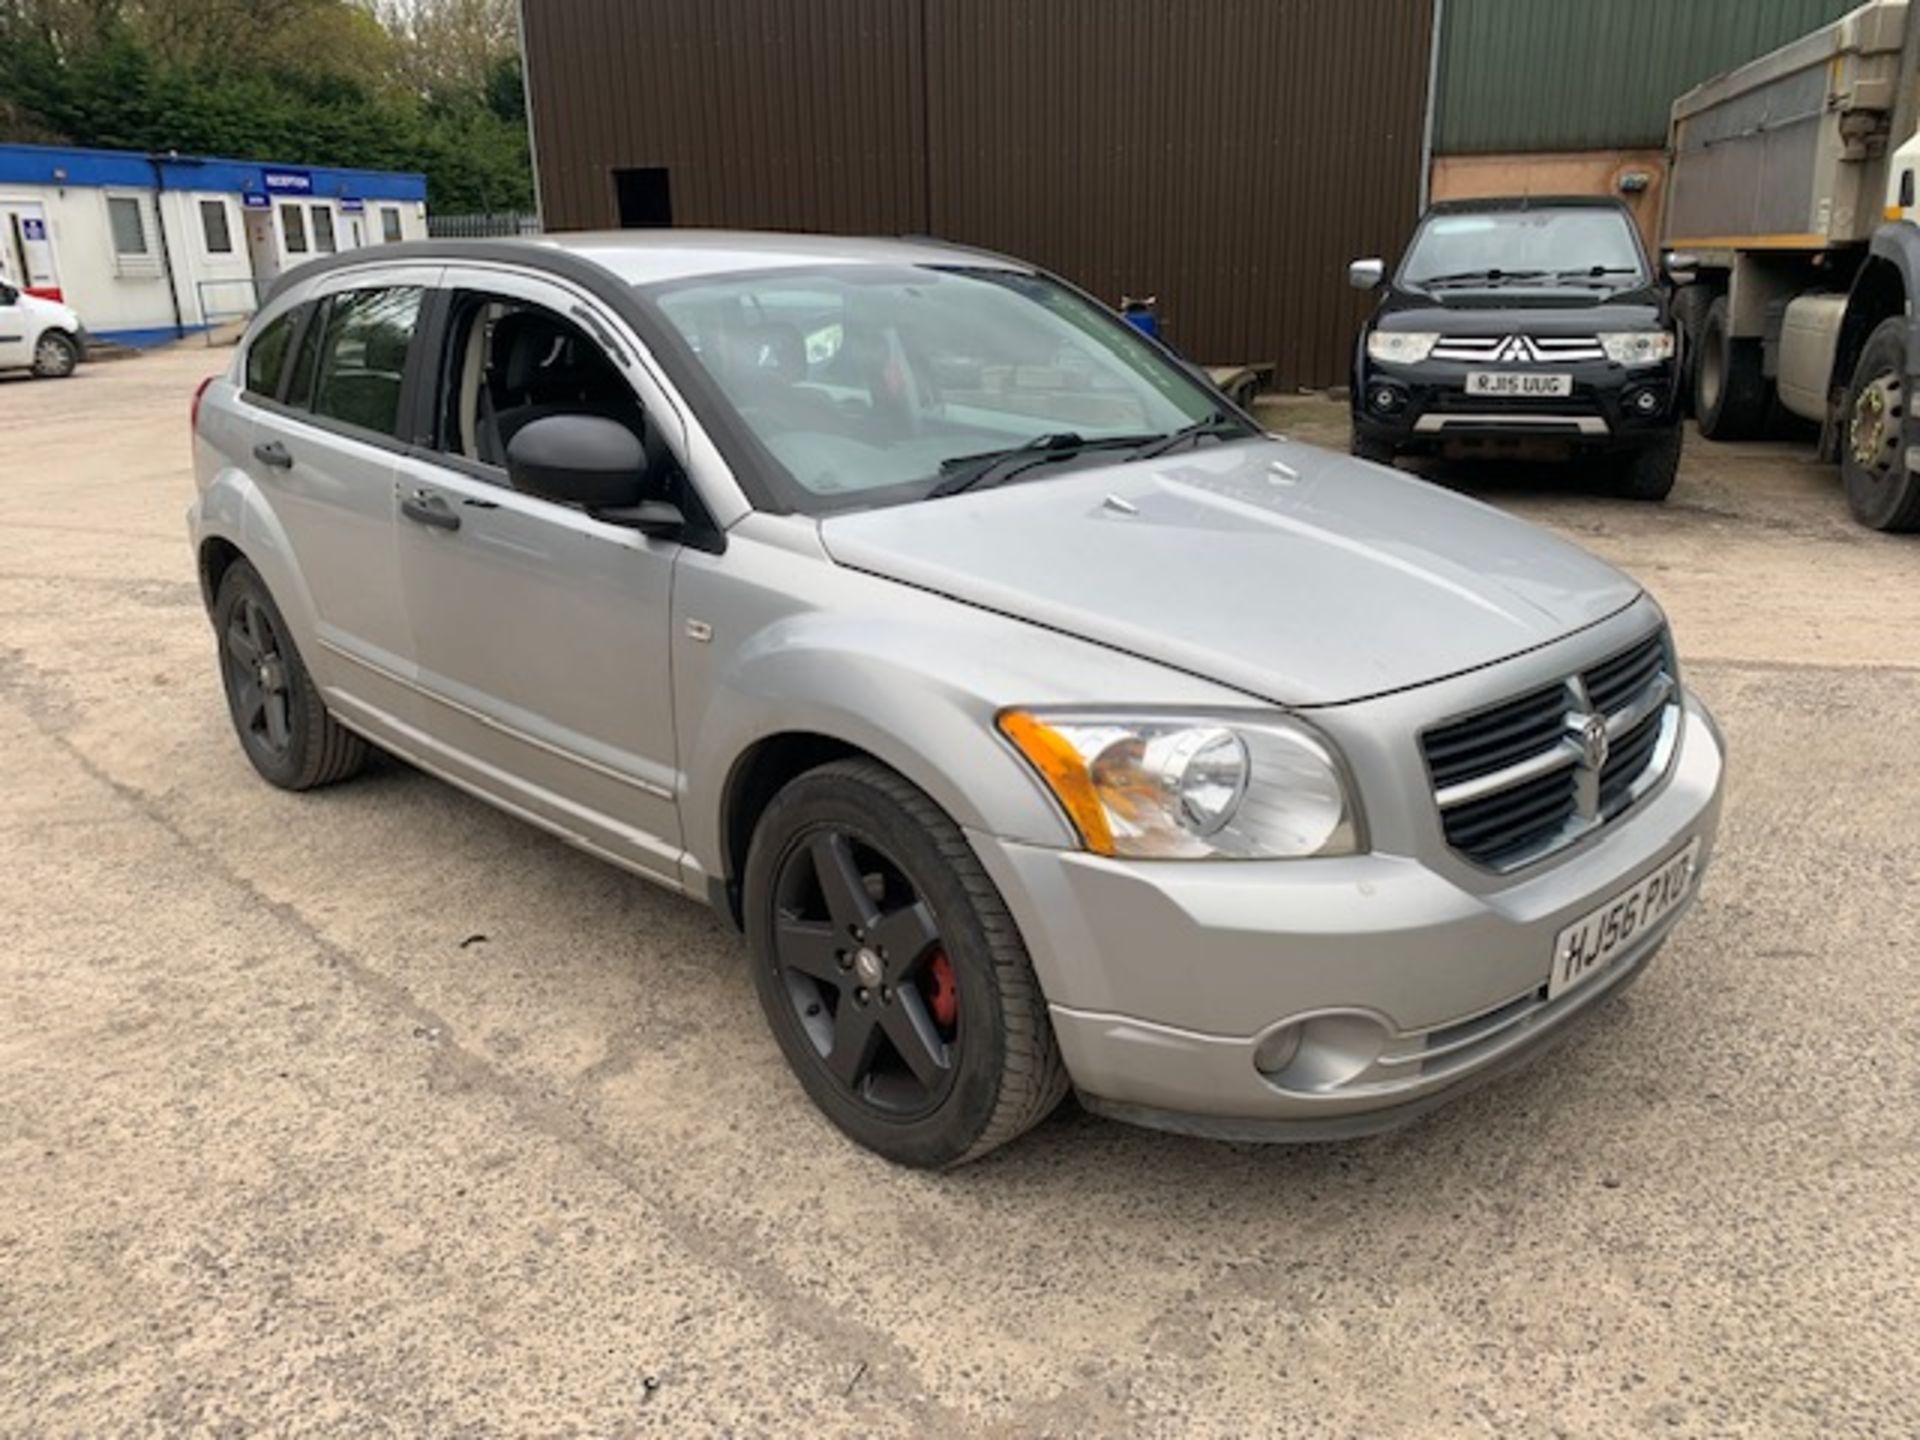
(1521, 326)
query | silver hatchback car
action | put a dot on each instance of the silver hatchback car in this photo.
(1040, 721)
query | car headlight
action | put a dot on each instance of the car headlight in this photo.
(1638, 347)
(1401, 347)
(1190, 787)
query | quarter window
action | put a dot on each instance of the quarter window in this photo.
(213, 225)
(267, 356)
(361, 356)
(293, 229)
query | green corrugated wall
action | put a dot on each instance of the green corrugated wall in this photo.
(1532, 75)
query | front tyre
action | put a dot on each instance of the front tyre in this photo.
(891, 972)
(56, 355)
(1882, 493)
(1649, 473)
(283, 724)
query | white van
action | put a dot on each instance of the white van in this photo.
(43, 336)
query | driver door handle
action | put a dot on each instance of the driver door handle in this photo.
(273, 453)
(426, 508)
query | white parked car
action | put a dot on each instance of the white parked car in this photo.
(43, 336)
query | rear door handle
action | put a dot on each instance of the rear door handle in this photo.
(272, 452)
(426, 508)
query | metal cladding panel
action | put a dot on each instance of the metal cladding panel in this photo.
(1227, 156)
(788, 114)
(1534, 75)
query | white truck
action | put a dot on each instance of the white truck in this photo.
(1790, 212)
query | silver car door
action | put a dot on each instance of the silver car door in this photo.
(540, 634)
(324, 453)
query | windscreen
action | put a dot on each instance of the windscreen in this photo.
(1565, 244)
(867, 384)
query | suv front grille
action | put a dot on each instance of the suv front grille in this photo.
(1525, 777)
(1519, 349)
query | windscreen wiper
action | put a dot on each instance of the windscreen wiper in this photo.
(1594, 272)
(1218, 423)
(1460, 277)
(996, 467)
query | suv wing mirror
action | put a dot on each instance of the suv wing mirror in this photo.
(593, 462)
(1680, 265)
(1367, 274)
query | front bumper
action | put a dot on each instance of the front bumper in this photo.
(1431, 407)
(1166, 979)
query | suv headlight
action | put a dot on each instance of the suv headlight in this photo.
(1401, 347)
(1637, 347)
(1191, 787)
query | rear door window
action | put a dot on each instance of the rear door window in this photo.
(352, 368)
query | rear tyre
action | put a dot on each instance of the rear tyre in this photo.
(1690, 313)
(1881, 492)
(1649, 473)
(1378, 451)
(1731, 396)
(55, 355)
(283, 724)
(891, 972)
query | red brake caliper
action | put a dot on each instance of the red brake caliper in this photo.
(943, 997)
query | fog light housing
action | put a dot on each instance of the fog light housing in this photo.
(1643, 401)
(1276, 1051)
(1322, 1052)
(1385, 399)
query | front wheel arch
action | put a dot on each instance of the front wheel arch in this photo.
(217, 556)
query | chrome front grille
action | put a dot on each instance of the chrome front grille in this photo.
(1525, 777)
(1519, 349)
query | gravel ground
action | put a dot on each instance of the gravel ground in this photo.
(375, 1112)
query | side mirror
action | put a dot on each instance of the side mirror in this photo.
(585, 460)
(1367, 274)
(8, 295)
(1680, 265)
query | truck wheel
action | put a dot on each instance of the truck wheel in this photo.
(891, 972)
(1649, 473)
(1690, 314)
(1882, 493)
(1730, 394)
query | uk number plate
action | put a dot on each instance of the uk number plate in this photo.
(1583, 949)
(1517, 382)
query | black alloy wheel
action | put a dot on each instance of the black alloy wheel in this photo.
(283, 724)
(257, 679)
(891, 972)
(860, 960)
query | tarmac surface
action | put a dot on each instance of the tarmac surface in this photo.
(375, 1112)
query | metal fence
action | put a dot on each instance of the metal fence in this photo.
(481, 227)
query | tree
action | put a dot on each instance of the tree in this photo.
(429, 85)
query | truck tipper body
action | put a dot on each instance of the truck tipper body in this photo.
(1790, 213)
